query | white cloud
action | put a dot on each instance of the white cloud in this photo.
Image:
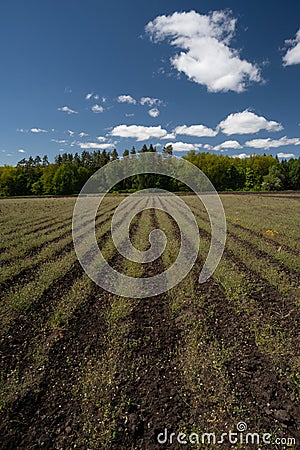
(272, 143)
(285, 155)
(82, 134)
(104, 99)
(126, 99)
(97, 109)
(169, 136)
(150, 101)
(153, 112)
(138, 132)
(228, 144)
(96, 97)
(67, 110)
(195, 130)
(71, 133)
(129, 114)
(207, 58)
(247, 122)
(101, 138)
(241, 156)
(59, 141)
(94, 145)
(183, 146)
(21, 130)
(292, 56)
(38, 130)
(21, 150)
(89, 95)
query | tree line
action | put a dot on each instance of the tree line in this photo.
(69, 172)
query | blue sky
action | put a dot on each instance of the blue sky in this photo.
(217, 76)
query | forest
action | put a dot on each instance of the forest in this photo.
(69, 172)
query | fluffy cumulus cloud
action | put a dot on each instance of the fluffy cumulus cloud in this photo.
(228, 145)
(126, 99)
(272, 143)
(195, 130)
(285, 155)
(97, 109)
(292, 55)
(38, 130)
(247, 122)
(138, 132)
(150, 101)
(206, 57)
(153, 112)
(183, 146)
(67, 110)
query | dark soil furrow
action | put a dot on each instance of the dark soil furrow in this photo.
(268, 297)
(146, 377)
(29, 273)
(256, 385)
(36, 249)
(267, 239)
(48, 410)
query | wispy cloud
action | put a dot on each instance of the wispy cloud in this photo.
(97, 109)
(89, 95)
(153, 112)
(67, 110)
(126, 99)
(94, 145)
(59, 141)
(247, 122)
(38, 130)
(129, 114)
(206, 57)
(21, 150)
(292, 55)
(82, 134)
(138, 132)
(70, 132)
(272, 143)
(101, 138)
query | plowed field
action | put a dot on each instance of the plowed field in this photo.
(83, 368)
